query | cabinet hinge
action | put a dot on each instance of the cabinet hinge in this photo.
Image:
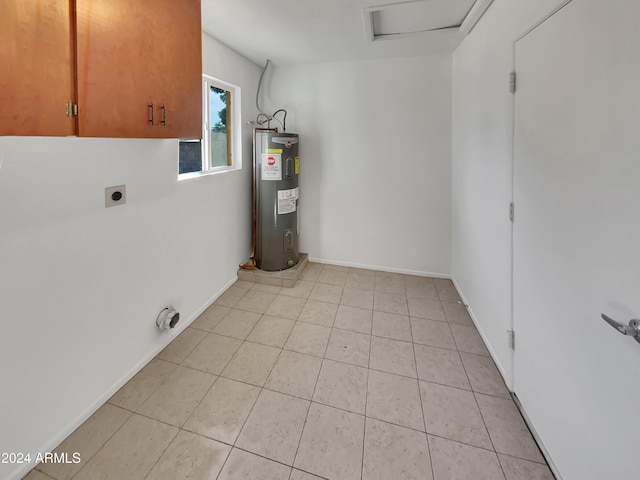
(512, 82)
(511, 336)
(511, 211)
(72, 109)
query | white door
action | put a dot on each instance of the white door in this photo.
(577, 236)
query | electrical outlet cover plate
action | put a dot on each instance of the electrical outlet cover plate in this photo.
(111, 196)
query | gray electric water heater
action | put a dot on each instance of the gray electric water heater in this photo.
(277, 166)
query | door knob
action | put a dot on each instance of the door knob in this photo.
(633, 329)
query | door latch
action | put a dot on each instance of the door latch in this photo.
(633, 329)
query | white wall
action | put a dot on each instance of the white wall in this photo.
(482, 154)
(375, 153)
(81, 285)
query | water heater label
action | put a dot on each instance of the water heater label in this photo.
(287, 200)
(271, 166)
(297, 165)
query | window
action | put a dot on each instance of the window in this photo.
(220, 148)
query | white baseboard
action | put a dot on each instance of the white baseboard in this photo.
(381, 268)
(80, 419)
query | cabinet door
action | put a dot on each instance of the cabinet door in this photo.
(36, 67)
(131, 55)
(177, 76)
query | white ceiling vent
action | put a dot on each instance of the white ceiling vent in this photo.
(416, 18)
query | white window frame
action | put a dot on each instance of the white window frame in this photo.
(236, 129)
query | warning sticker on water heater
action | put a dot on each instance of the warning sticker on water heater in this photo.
(271, 166)
(287, 200)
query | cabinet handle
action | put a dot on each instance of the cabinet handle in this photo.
(151, 116)
(164, 115)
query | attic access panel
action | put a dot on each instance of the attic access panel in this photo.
(399, 20)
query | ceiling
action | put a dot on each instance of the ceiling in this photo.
(313, 31)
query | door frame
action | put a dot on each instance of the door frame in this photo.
(512, 382)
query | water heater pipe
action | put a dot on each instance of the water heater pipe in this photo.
(262, 113)
(264, 70)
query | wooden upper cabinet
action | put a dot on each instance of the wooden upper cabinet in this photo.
(36, 67)
(131, 55)
(113, 58)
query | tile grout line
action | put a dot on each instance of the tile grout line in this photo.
(234, 303)
(266, 458)
(475, 399)
(41, 473)
(250, 411)
(221, 369)
(165, 449)
(327, 405)
(366, 401)
(200, 401)
(102, 446)
(524, 459)
(219, 320)
(501, 466)
(233, 445)
(433, 474)
(424, 420)
(462, 443)
(187, 354)
(295, 456)
(212, 385)
(281, 350)
(175, 366)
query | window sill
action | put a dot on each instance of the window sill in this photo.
(213, 171)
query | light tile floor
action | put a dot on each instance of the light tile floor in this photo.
(352, 374)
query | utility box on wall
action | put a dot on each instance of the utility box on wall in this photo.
(277, 166)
